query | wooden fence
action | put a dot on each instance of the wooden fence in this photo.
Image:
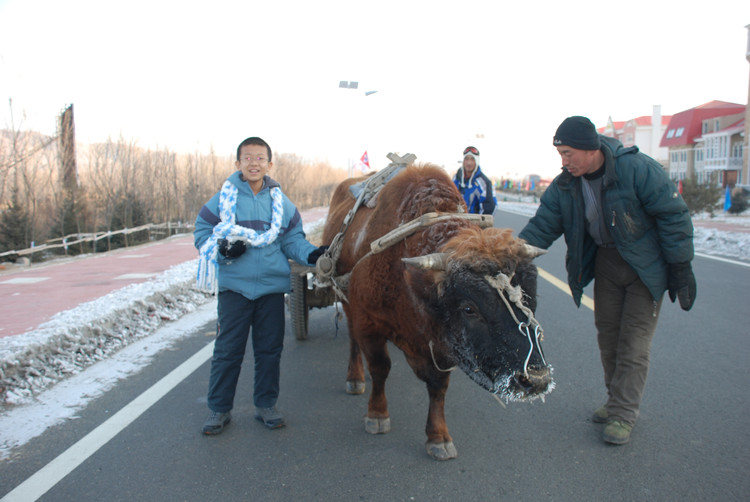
(156, 231)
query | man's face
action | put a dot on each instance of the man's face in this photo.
(254, 163)
(470, 163)
(579, 162)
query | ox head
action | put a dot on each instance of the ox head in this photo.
(481, 290)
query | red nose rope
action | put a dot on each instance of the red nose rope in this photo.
(501, 283)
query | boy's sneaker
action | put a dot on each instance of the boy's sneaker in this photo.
(215, 422)
(600, 415)
(617, 432)
(270, 417)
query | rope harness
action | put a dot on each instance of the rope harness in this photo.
(326, 266)
(501, 283)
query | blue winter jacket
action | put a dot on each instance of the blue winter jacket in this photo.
(648, 218)
(477, 192)
(259, 271)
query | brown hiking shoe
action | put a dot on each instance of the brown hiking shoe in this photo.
(600, 415)
(617, 432)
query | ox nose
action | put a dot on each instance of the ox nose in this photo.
(536, 379)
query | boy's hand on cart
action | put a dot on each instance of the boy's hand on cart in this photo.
(312, 258)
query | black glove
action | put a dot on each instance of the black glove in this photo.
(234, 250)
(681, 284)
(312, 258)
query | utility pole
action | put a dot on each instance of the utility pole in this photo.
(66, 148)
(745, 172)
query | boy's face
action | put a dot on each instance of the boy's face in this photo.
(254, 163)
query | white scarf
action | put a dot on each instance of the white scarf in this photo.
(208, 265)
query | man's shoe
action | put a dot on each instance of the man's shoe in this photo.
(215, 422)
(270, 417)
(600, 415)
(617, 432)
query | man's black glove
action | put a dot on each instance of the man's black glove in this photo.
(681, 284)
(312, 258)
(234, 250)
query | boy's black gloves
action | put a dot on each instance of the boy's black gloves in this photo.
(234, 250)
(681, 284)
(312, 258)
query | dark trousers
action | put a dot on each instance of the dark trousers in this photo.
(237, 315)
(626, 315)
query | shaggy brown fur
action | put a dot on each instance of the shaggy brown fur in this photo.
(387, 301)
(475, 248)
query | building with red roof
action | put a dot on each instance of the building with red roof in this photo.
(640, 132)
(705, 143)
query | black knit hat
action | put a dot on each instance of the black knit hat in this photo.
(577, 132)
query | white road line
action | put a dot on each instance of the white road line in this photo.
(135, 276)
(49, 475)
(725, 260)
(25, 280)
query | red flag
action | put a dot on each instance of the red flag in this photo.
(679, 187)
(364, 162)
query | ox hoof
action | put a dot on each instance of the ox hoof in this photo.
(441, 451)
(355, 387)
(378, 425)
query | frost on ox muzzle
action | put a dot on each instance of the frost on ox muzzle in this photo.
(518, 380)
(513, 366)
(535, 378)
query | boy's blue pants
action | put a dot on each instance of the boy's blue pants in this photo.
(237, 315)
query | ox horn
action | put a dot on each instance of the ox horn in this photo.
(434, 261)
(534, 251)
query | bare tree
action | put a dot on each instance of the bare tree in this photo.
(120, 184)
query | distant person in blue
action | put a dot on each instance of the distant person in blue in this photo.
(475, 187)
(246, 235)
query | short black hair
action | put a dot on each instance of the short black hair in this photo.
(254, 141)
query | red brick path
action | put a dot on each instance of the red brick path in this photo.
(31, 295)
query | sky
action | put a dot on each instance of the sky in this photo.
(194, 76)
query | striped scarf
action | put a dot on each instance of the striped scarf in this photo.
(208, 265)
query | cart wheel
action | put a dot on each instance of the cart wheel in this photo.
(298, 311)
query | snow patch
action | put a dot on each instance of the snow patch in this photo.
(75, 339)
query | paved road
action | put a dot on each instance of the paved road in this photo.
(690, 443)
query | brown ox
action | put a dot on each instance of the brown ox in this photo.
(461, 307)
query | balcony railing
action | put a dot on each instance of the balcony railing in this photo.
(720, 164)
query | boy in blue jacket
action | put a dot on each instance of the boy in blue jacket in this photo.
(246, 234)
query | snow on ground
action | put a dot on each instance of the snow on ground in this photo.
(709, 241)
(86, 350)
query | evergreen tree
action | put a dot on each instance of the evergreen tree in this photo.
(14, 222)
(706, 197)
(739, 201)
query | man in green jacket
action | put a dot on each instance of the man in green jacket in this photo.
(627, 227)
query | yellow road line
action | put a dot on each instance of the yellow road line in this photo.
(585, 300)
